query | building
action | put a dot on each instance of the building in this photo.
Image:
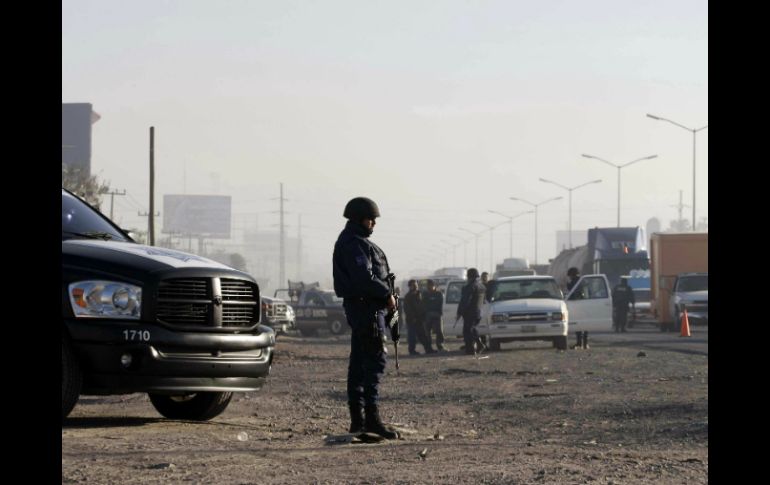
(76, 121)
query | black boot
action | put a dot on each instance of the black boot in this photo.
(374, 423)
(585, 340)
(579, 336)
(356, 418)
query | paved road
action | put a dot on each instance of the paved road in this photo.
(649, 337)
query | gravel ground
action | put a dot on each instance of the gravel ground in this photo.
(526, 414)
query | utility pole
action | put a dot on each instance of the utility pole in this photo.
(679, 207)
(151, 222)
(282, 254)
(299, 246)
(112, 195)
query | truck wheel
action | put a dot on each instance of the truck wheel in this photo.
(560, 342)
(198, 406)
(71, 379)
(494, 344)
(336, 327)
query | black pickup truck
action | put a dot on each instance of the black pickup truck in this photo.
(184, 329)
(315, 310)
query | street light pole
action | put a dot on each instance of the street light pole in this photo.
(536, 206)
(570, 189)
(475, 235)
(619, 167)
(510, 221)
(491, 239)
(694, 132)
(465, 248)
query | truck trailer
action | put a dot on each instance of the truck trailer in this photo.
(673, 254)
(612, 251)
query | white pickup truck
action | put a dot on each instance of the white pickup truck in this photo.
(534, 308)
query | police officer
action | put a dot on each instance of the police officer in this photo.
(414, 307)
(361, 278)
(434, 311)
(622, 296)
(469, 309)
(573, 276)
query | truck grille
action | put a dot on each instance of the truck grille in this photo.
(184, 289)
(526, 317)
(277, 310)
(185, 302)
(238, 290)
(175, 313)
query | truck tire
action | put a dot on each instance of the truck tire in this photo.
(337, 327)
(560, 342)
(494, 344)
(71, 379)
(199, 406)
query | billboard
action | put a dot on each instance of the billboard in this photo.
(197, 215)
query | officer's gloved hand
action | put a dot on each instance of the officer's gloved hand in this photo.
(394, 332)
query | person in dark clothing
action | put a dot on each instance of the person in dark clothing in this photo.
(622, 296)
(469, 309)
(361, 274)
(573, 276)
(414, 308)
(434, 313)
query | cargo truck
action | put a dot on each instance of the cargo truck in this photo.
(671, 255)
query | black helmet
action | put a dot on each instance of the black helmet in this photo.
(472, 273)
(361, 208)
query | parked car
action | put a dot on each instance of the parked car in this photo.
(135, 318)
(691, 291)
(525, 308)
(277, 314)
(316, 309)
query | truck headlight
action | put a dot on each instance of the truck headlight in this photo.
(499, 317)
(105, 299)
(560, 316)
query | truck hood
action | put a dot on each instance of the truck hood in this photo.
(131, 259)
(534, 305)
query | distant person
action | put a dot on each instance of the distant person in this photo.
(434, 314)
(485, 282)
(415, 320)
(469, 309)
(573, 275)
(622, 296)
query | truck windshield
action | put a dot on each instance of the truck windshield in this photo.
(79, 220)
(693, 283)
(517, 289)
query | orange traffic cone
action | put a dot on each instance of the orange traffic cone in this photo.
(685, 325)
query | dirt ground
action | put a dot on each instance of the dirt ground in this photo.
(526, 414)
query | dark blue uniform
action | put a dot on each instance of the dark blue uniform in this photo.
(360, 278)
(622, 296)
(469, 308)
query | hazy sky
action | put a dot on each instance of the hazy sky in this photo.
(438, 110)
